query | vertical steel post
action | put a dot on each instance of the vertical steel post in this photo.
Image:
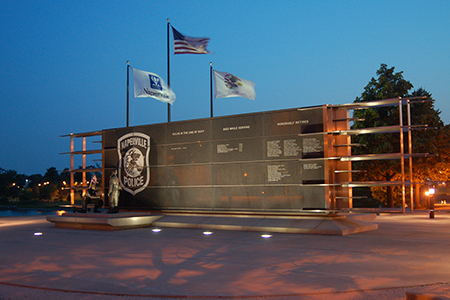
(402, 152)
(411, 187)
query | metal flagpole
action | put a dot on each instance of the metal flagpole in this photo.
(128, 93)
(168, 67)
(211, 86)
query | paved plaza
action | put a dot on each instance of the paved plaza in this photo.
(408, 253)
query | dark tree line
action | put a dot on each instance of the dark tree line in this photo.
(52, 186)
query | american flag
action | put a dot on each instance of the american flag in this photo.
(189, 45)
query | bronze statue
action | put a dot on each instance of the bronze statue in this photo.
(113, 193)
(92, 197)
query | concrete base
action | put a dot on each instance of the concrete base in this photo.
(101, 221)
(331, 224)
(308, 223)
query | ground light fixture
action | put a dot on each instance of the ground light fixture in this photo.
(266, 236)
(207, 232)
(37, 233)
(156, 230)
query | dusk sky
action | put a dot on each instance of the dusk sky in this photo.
(63, 67)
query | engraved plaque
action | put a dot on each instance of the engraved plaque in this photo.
(183, 132)
(283, 122)
(237, 150)
(312, 146)
(238, 127)
(283, 172)
(284, 148)
(313, 171)
(193, 153)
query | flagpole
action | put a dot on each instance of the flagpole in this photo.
(128, 93)
(168, 67)
(211, 87)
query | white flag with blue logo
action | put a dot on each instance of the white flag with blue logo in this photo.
(148, 84)
(228, 85)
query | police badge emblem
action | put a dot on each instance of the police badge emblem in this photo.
(134, 168)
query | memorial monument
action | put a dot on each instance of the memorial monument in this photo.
(295, 163)
(268, 161)
(277, 161)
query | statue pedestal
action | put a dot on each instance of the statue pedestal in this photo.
(322, 223)
(100, 221)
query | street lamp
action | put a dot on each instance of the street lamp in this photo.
(430, 194)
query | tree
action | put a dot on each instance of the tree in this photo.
(35, 182)
(391, 84)
(10, 183)
(53, 184)
(52, 175)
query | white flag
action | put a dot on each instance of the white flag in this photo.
(148, 84)
(227, 85)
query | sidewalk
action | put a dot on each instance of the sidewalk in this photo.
(408, 253)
